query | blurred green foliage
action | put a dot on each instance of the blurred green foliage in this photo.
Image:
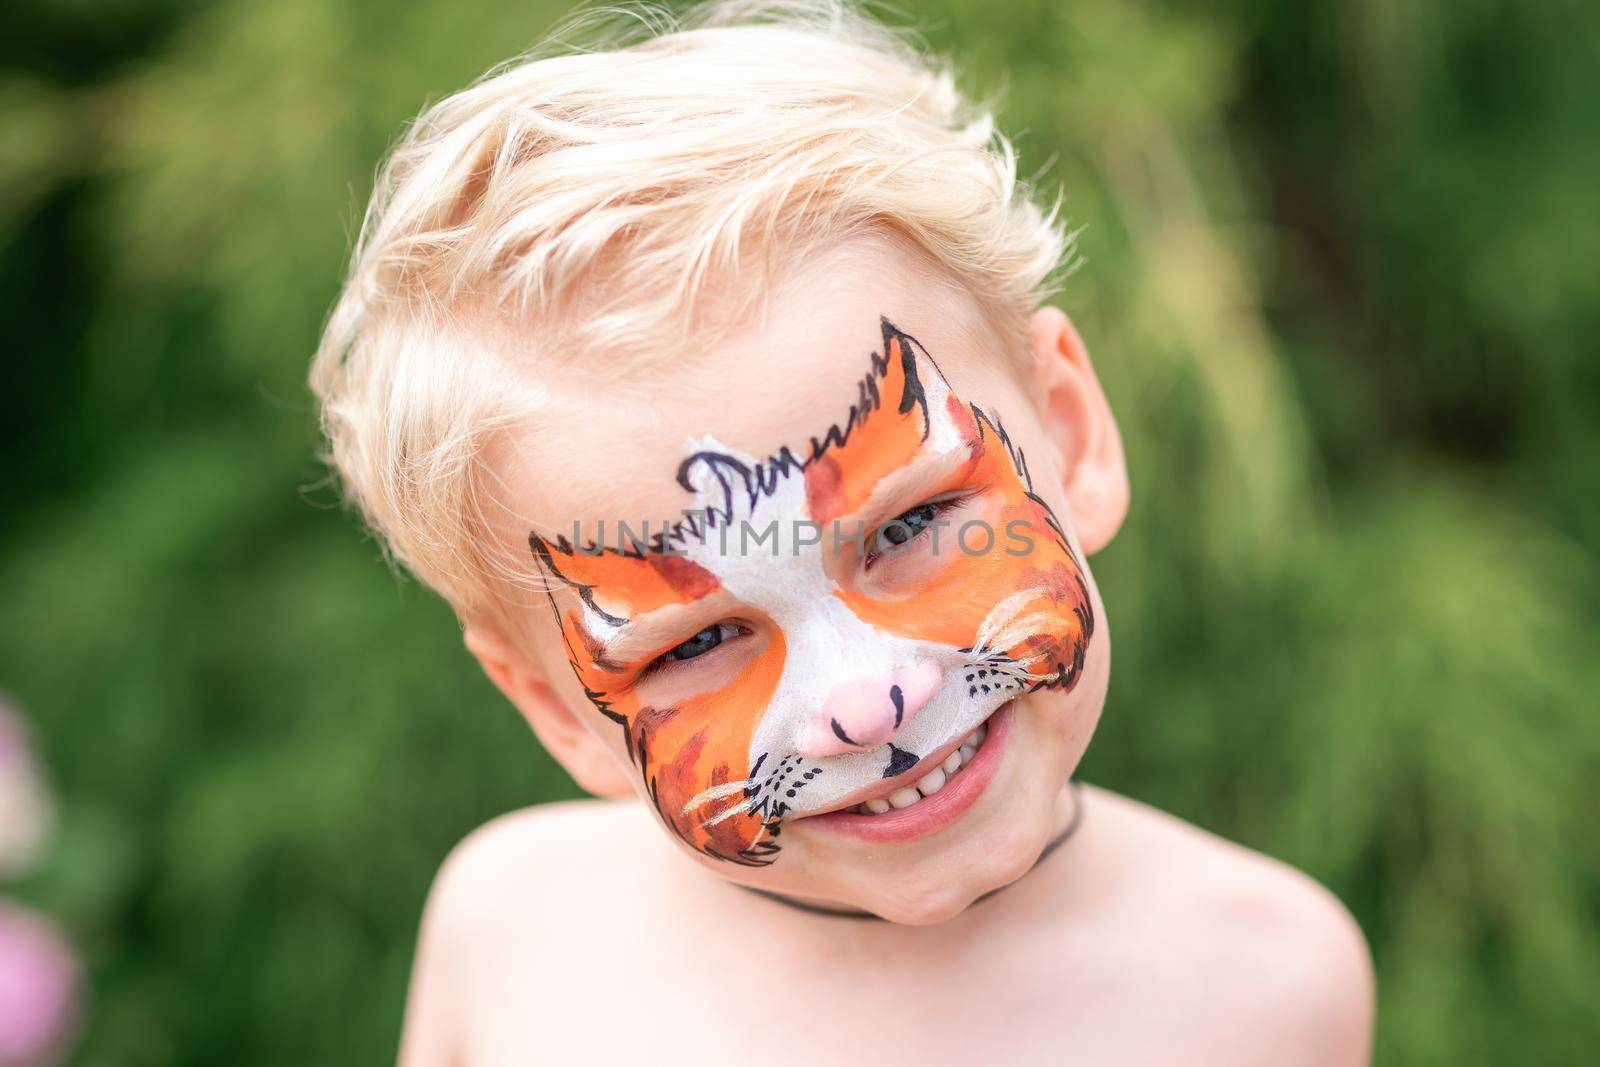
(1339, 278)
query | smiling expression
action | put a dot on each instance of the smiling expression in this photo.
(825, 617)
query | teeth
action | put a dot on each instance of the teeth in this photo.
(930, 783)
(904, 797)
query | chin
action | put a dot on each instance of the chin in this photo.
(925, 899)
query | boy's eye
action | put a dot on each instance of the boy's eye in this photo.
(694, 647)
(906, 527)
(699, 644)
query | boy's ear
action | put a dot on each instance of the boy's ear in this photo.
(563, 734)
(1078, 422)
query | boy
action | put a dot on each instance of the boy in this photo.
(706, 379)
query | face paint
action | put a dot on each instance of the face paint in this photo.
(771, 652)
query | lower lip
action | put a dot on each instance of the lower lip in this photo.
(930, 813)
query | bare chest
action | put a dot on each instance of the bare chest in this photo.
(847, 994)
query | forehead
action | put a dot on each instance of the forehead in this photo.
(611, 450)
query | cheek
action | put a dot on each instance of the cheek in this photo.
(694, 756)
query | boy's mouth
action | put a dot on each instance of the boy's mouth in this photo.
(931, 793)
(901, 796)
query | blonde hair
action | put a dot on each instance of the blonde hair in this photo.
(591, 195)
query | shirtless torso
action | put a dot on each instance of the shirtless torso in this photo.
(573, 933)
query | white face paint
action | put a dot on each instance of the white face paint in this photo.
(840, 677)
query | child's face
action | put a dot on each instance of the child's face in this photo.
(858, 561)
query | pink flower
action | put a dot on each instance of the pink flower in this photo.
(38, 990)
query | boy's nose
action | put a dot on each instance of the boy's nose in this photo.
(866, 712)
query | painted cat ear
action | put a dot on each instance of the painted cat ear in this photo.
(1078, 423)
(945, 418)
(907, 373)
(902, 408)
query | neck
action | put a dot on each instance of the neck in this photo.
(1069, 816)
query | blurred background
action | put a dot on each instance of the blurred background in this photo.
(1339, 275)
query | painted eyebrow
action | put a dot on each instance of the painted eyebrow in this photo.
(644, 635)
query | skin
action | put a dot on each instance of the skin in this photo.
(1143, 940)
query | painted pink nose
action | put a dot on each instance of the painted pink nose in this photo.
(869, 711)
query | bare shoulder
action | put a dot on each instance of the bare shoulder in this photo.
(535, 852)
(509, 891)
(1268, 943)
(546, 871)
